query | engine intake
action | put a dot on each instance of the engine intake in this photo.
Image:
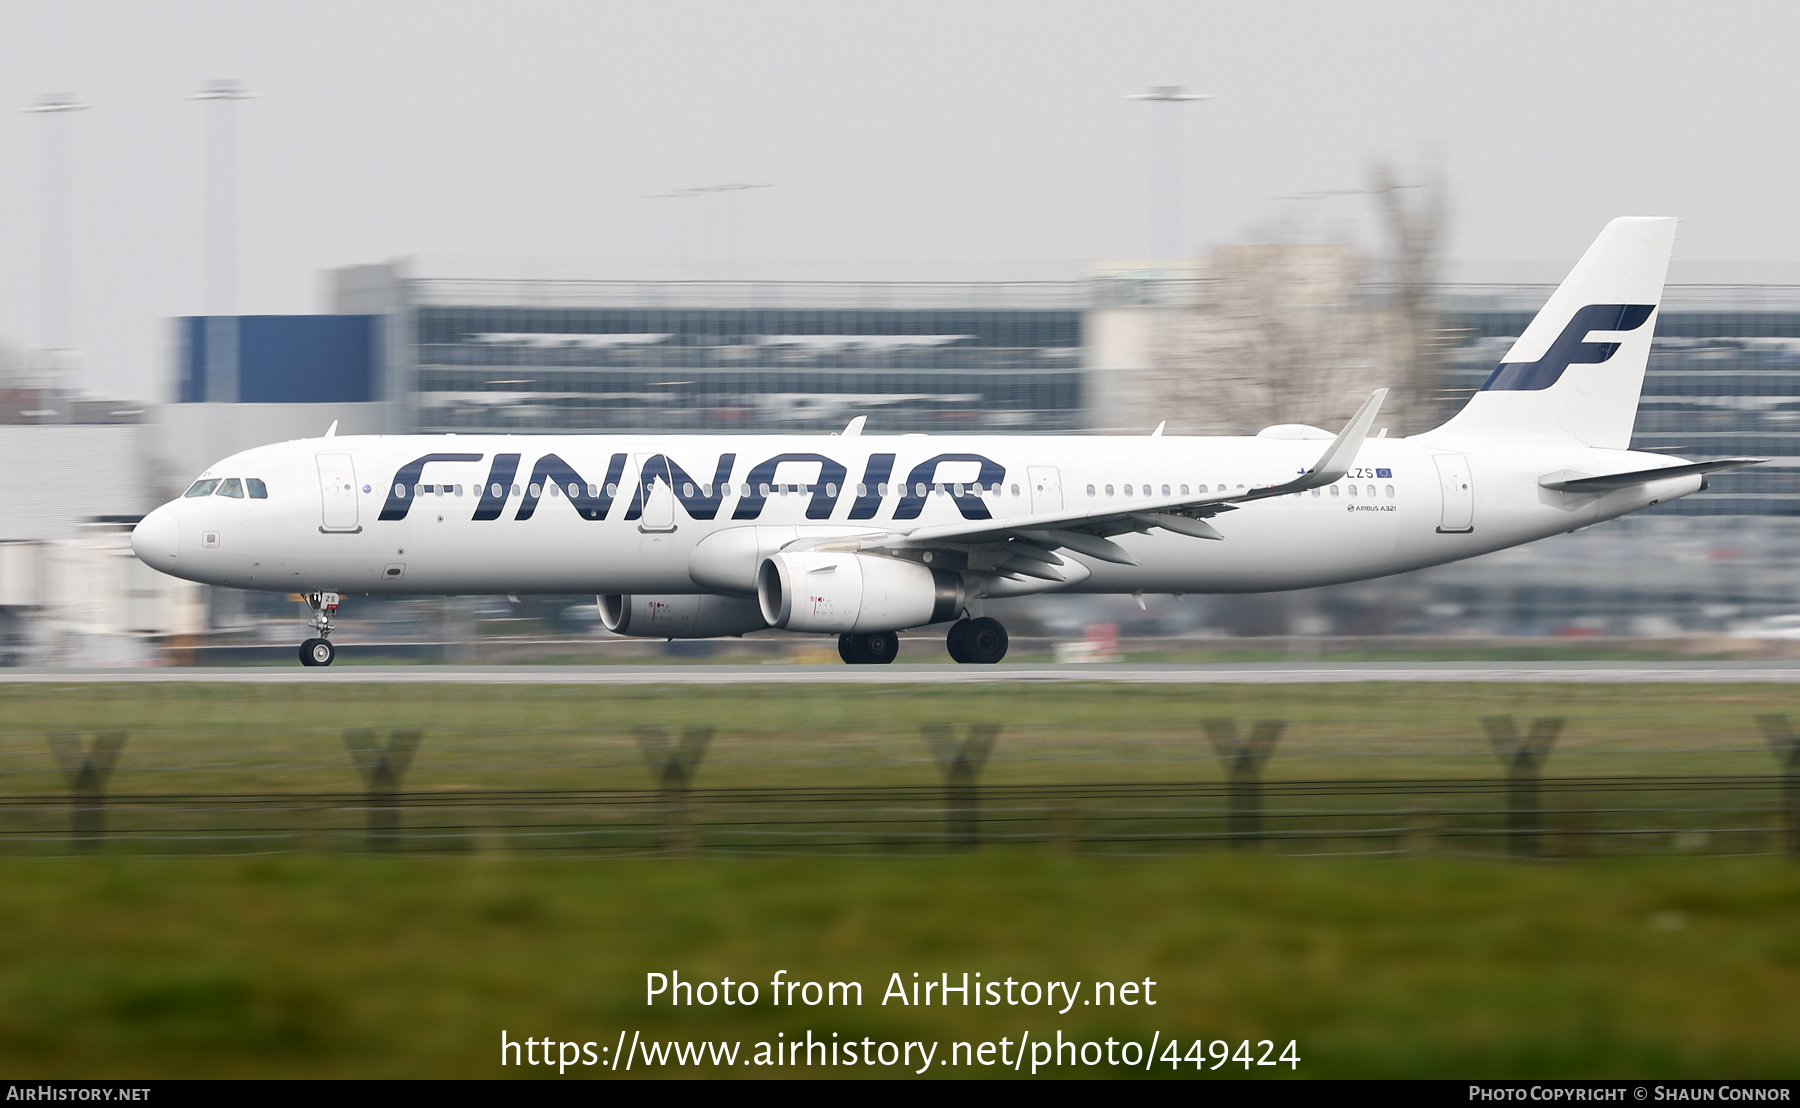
(679, 617)
(831, 592)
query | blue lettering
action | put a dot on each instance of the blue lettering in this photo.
(923, 477)
(823, 499)
(699, 501)
(1570, 348)
(493, 492)
(400, 491)
(591, 505)
(877, 471)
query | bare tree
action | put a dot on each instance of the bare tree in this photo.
(1277, 333)
(1414, 222)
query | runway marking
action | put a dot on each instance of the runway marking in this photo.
(1577, 673)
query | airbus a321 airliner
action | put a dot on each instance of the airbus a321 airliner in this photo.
(862, 535)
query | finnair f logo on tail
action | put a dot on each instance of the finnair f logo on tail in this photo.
(1570, 348)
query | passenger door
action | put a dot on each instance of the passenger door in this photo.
(1459, 493)
(337, 494)
(1046, 489)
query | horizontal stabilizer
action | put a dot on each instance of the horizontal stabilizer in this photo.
(1565, 481)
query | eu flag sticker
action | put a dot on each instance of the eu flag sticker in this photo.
(1384, 473)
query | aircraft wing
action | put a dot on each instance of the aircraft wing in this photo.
(1086, 531)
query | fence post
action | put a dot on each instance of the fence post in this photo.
(1523, 756)
(673, 766)
(382, 768)
(1245, 760)
(86, 771)
(961, 764)
(1785, 745)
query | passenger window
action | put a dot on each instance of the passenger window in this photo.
(1146, 490)
(1015, 490)
(1090, 490)
(1371, 491)
(613, 490)
(1184, 491)
(881, 489)
(1351, 489)
(1202, 490)
(1334, 491)
(1109, 490)
(260, 491)
(1390, 490)
(536, 490)
(1165, 490)
(1315, 493)
(202, 488)
(1127, 490)
(232, 487)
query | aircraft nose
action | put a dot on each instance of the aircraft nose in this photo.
(157, 538)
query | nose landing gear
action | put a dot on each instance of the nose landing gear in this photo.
(319, 651)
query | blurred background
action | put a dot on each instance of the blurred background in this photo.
(436, 218)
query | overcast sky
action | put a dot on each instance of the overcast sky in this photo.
(988, 134)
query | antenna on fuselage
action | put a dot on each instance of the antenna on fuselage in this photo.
(331, 431)
(1157, 434)
(855, 427)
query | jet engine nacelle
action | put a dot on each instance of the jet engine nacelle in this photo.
(679, 617)
(841, 593)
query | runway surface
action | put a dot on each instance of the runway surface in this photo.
(1224, 673)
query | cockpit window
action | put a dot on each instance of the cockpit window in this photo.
(258, 490)
(203, 488)
(232, 487)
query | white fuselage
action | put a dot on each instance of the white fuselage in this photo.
(1406, 503)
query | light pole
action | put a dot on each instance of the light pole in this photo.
(1165, 165)
(220, 380)
(702, 192)
(56, 232)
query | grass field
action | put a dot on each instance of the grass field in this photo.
(340, 964)
(413, 967)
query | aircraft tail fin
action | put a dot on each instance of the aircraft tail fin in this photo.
(1578, 369)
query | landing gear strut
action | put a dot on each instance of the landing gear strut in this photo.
(877, 649)
(319, 651)
(979, 642)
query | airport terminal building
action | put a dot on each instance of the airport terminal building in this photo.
(399, 353)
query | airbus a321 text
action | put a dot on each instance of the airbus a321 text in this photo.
(863, 535)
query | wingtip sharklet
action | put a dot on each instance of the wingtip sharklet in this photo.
(1339, 456)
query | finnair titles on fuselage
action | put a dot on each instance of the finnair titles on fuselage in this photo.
(863, 535)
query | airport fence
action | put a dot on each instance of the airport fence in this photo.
(1486, 785)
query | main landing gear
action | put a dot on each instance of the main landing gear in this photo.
(980, 642)
(877, 649)
(319, 651)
